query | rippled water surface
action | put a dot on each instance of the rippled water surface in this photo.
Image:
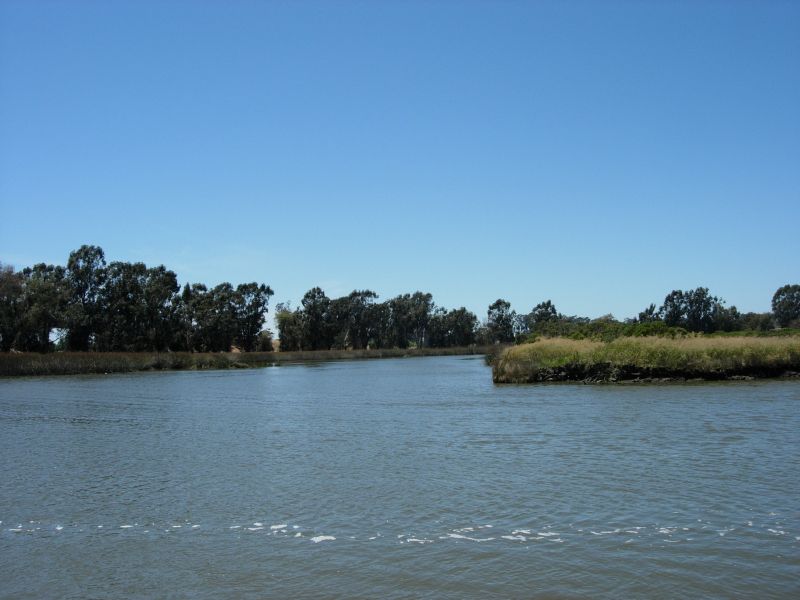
(396, 478)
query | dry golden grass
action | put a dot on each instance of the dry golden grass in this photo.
(692, 356)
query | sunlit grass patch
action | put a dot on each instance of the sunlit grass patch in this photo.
(632, 358)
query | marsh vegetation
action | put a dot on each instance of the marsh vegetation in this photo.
(648, 359)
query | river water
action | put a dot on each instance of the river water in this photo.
(401, 478)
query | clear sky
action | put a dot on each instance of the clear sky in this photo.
(599, 154)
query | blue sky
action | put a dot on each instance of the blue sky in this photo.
(599, 154)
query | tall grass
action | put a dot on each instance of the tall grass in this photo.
(70, 363)
(635, 358)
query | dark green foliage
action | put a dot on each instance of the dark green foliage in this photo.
(756, 321)
(44, 300)
(124, 307)
(128, 307)
(10, 306)
(359, 318)
(409, 318)
(697, 310)
(357, 322)
(649, 315)
(542, 313)
(786, 305)
(264, 342)
(317, 321)
(500, 321)
(290, 327)
(452, 328)
(85, 277)
(250, 307)
(652, 328)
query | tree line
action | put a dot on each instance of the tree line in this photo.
(682, 311)
(89, 304)
(358, 321)
(120, 306)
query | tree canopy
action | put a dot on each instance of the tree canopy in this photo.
(89, 304)
(121, 306)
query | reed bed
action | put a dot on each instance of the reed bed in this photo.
(560, 359)
(71, 363)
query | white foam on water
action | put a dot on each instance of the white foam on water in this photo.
(558, 540)
(59, 528)
(281, 526)
(519, 538)
(518, 531)
(254, 528)
(458, 536)
(176, 526)
(16, 529)
(374, 537)
(635, 531)
(322, 538)
(551, 533)
(125, 526)
(419, 541)
(99, 526)
(235, 527)
(629, 541)
(666, 530)
(258, 524)
(195, 526)
(298, 534)
(463, 529)
(749, 523)
(777, 531)
(295, 526)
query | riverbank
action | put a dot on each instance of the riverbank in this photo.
(74, 363)
(648, 359)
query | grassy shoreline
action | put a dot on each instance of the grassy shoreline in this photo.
(649, 359)
(75, 363)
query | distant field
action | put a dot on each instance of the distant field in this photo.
(71, 363)
(650, 358)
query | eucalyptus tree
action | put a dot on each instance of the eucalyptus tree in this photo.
(85, 275)
(123, 321)
(697, 310)
(290, 327)
(786, 304)
(500, 321)
(317, 319)
(359, 322)
(410, 314)
(45, 294)
(452, 328)
(10, 306)
(250, 306)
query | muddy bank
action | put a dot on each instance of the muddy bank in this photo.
(608, 373)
